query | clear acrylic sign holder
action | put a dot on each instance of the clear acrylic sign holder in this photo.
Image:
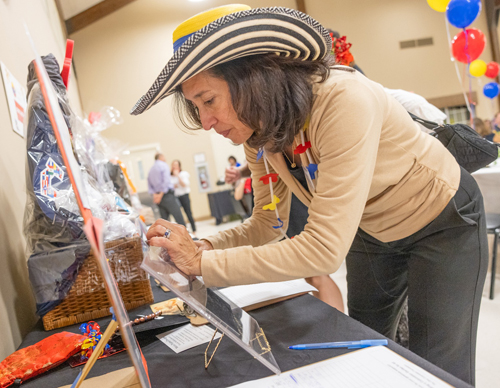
(209, 303)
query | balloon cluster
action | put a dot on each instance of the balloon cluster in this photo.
(469, 44)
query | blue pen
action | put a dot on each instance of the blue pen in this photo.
(344, 344)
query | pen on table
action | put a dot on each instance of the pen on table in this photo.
(342, 344)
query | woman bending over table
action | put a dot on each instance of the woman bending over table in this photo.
(382, 194)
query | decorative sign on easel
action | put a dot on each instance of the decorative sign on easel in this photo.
(16, 99)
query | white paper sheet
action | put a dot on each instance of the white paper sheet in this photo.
(187, 337)
(248, 295)
(374, 367)
(16, 99)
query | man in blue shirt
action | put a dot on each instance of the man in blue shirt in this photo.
(162, 189)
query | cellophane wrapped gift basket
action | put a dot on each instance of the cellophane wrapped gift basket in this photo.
(65, 278)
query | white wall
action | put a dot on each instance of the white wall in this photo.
(375, 29)
(223, 148)
(16, 300)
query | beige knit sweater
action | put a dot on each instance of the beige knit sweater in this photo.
(376, 171)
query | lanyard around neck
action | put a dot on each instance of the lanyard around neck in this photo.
(309, 171)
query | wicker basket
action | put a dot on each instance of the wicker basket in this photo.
(88, 300)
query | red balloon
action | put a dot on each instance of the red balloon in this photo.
(475, 42)
(492, 69)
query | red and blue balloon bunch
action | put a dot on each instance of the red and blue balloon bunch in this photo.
(469, 44)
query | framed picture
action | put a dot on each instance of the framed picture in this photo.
(203, 177)
(199, 158)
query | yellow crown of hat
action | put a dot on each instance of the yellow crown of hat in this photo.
(200, 20)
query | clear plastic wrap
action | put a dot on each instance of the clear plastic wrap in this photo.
(48, 223)
(52, 273)
(124, 257)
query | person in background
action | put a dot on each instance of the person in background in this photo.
(486, 131)
(243, 192)
(180, 180)
(482, 129)
(161, 187)
(488, 124)
(419, 106)
(233, 162)
(495, 125)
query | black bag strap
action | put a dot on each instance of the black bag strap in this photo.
(433, 126)
(426, 123)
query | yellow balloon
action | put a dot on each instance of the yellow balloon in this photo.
(438, 5)
(477, 68)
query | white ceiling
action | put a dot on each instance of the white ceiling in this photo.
(71, 8)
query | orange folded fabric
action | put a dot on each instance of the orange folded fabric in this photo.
(33, 360)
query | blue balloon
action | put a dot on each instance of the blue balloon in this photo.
(461, 13)
(491, 90)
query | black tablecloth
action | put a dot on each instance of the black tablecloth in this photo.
(221, 204)
(301, 320)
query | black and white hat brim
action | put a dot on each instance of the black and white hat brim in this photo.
(277, 30)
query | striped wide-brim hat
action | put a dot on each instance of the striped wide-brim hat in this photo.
(233, 31)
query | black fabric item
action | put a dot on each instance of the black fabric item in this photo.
(441, 268)
(52, 274)
(43, 232)
(471, 151)
(221, 204)
(186, 205)
(52, 67)
(54, 235)
(169, 206)
(300, 320)
(299, 212)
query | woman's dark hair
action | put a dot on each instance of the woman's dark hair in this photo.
(233, 158)
(180, 167)
(335, 34)
(271, 94)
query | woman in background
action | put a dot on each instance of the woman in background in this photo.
(180, 179)
(482, 129)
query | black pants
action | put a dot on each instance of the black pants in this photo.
(186, 205)
(169, 205)
(441, 269)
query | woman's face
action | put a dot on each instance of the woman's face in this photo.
(212, 98)
(175, 165)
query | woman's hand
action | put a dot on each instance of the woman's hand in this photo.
(180, 246)
(204, 245)
(232, 174)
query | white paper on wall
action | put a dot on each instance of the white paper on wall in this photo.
(16, 99)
